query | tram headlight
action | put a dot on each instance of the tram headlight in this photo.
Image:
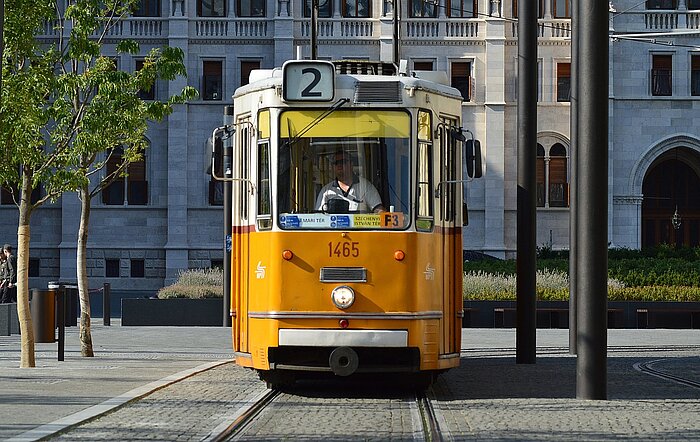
(343, 296)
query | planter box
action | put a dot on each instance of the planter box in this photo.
(555, 314)
(177, 311)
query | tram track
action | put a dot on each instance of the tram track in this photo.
(243, 418)
(427, 424)
(431, 426)
(646, 368)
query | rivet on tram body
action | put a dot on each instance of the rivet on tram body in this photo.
(344, 234)
(287, 254)
(399, 255)
(344, 323)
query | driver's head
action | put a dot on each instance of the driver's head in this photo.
(343, 163)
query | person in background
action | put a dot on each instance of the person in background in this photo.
(3, 271)
(360, 194)
(9, 288)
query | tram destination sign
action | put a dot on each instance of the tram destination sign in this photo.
(308, 80)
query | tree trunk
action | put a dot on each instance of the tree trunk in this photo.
(25, 318)
(85, 335)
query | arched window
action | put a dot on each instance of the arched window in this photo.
(558, 185)
(552, 173)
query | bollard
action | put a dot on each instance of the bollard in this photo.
(106, 289)
(61, 302)
(43, 311)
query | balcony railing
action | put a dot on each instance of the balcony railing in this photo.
(547, 28)
(430, 29)
(336, 28)
(226, 27)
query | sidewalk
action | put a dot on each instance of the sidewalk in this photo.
(126, 358)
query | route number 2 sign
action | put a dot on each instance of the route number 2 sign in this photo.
(306, 80)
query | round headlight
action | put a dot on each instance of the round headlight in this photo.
(343, 296)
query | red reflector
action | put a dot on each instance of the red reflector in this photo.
(344, 323)
(287, 254)
(399, 255)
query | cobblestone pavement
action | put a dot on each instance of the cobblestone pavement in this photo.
(488, 397)
(187, 410)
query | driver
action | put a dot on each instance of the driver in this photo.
(360, 194)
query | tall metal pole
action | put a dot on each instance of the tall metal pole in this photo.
(592, 254)
(573, 189)
(397, 31)
(314, 29)
(526, 312)
(228, 207)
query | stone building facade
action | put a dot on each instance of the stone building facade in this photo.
(166, 217)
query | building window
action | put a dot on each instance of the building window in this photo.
(134, 185)
(246, 68)
(212, 80)
(693, 4)
(147, 8)
(9, 194)
(251, 8)
(695, 75)
(663, 4)
(325, 8)
(34, 266)
(661, 75)
(558, 185)
(462, 79)
(211, 8)
(422, 65)
(150, 92)
(138, 269)
(356, 8)
(422, 8)
(540, 9)
(462, 8)
(563, 82)
(562, 8)
(112, 268)
(217, 264)
(552, 177)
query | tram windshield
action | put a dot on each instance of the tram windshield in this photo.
(347, 170)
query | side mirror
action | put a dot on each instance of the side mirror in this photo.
(475, 167)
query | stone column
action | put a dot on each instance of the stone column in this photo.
(177, 247)
(494, 103)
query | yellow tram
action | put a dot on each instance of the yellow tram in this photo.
(347, 213)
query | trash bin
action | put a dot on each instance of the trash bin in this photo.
(71, 304)
(43, 311)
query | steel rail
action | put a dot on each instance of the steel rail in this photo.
(645, 367)
(243, 418)
(431, 427)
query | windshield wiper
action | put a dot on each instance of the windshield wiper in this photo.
(315, 121)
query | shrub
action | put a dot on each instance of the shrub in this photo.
(551, 285)
(195, 284)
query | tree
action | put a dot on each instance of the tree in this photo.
(84, 108)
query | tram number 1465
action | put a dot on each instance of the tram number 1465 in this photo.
(344, 249)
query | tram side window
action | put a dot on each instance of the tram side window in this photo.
(424, 202)
(264, 202)
(424, 166)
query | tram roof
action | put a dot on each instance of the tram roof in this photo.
(432, 81)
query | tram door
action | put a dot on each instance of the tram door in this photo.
(241, 232)
(449, 237)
